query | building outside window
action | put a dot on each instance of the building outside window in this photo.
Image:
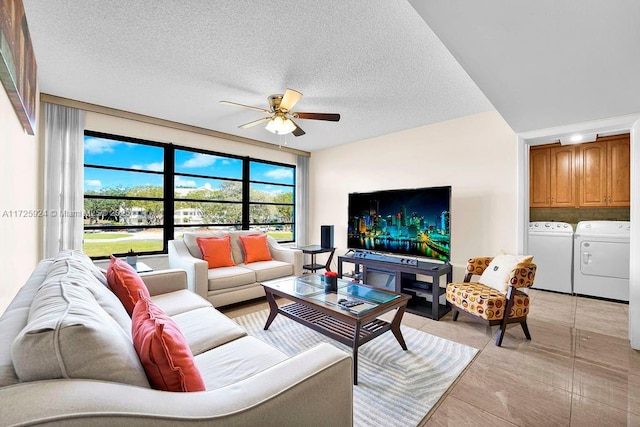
(130, 184)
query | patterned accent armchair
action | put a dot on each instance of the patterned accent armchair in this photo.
(488, 304)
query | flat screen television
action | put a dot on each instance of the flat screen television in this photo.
(411, 222)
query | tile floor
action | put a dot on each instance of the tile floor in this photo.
(578, 369)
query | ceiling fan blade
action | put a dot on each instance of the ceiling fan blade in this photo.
(245, 106)
(331, 117)
(298, 130)
(290, 98)
(255, 122)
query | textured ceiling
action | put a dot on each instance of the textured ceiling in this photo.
(376, 63)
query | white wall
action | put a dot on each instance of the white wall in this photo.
(20, 180)
(476, 155)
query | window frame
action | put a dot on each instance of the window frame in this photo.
(169, 198)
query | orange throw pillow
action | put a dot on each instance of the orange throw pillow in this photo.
(163, 350)
(255, 248)
(125, 282)
(216, 251)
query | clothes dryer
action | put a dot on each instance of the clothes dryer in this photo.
(601, 259)
(551, 244)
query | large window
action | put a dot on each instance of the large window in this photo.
(271, 202)
(130, 184)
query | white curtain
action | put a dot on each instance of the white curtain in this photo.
(302, 200)
(63, 175)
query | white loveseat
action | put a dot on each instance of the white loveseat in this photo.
(67, 358)
(241, 282)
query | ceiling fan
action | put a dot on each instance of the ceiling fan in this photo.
(280, 119)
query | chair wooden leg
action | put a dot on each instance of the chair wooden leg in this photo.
(501, 331)
(455, 313)
(525, 329)
(505, 315)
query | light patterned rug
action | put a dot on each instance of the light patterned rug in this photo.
(395, 387)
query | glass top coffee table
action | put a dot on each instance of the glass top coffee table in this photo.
(347, 313)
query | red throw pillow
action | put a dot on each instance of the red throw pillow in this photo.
(125, 282)
(216, 251)
(255, 248)
(163, 350)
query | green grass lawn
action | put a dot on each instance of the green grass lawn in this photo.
(107, 248)
(91, 236)
(280, 235)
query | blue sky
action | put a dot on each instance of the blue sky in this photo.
(146, 159)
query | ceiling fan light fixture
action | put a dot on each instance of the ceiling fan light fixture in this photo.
(280, 117)
(280, 125)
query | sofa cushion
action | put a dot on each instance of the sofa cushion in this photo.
(496, 275)
(269, 270)
(78, 269)
(69, 335)
(163, 350)
(180, 301)
(206, 328)
(82, 261)
(191, 243)
(229, 363)
(230, 277)
(216, 251)
(126, 283)
(255, 248)
(484, 301)
(236, 246)
(14, 318)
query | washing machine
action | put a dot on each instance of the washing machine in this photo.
(551, 244)
(601, 259)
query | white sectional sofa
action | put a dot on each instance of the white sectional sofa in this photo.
(241, 282)
(67, 358)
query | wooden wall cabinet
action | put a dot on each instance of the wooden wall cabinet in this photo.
(596, 174)
(605, 172)
(552, 176)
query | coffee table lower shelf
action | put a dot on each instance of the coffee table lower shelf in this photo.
(334, 328)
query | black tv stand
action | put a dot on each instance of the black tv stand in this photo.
(406, 280)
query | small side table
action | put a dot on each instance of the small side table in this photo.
(314, 250)
(141, 267)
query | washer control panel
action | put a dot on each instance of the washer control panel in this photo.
(550, 227)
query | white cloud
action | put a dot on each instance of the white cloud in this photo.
(181, 182)
(200, 160)
(99, 146)
(279, 173)
(93, 183)
(156, 167)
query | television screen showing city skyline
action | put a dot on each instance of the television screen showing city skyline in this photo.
(407, 222)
